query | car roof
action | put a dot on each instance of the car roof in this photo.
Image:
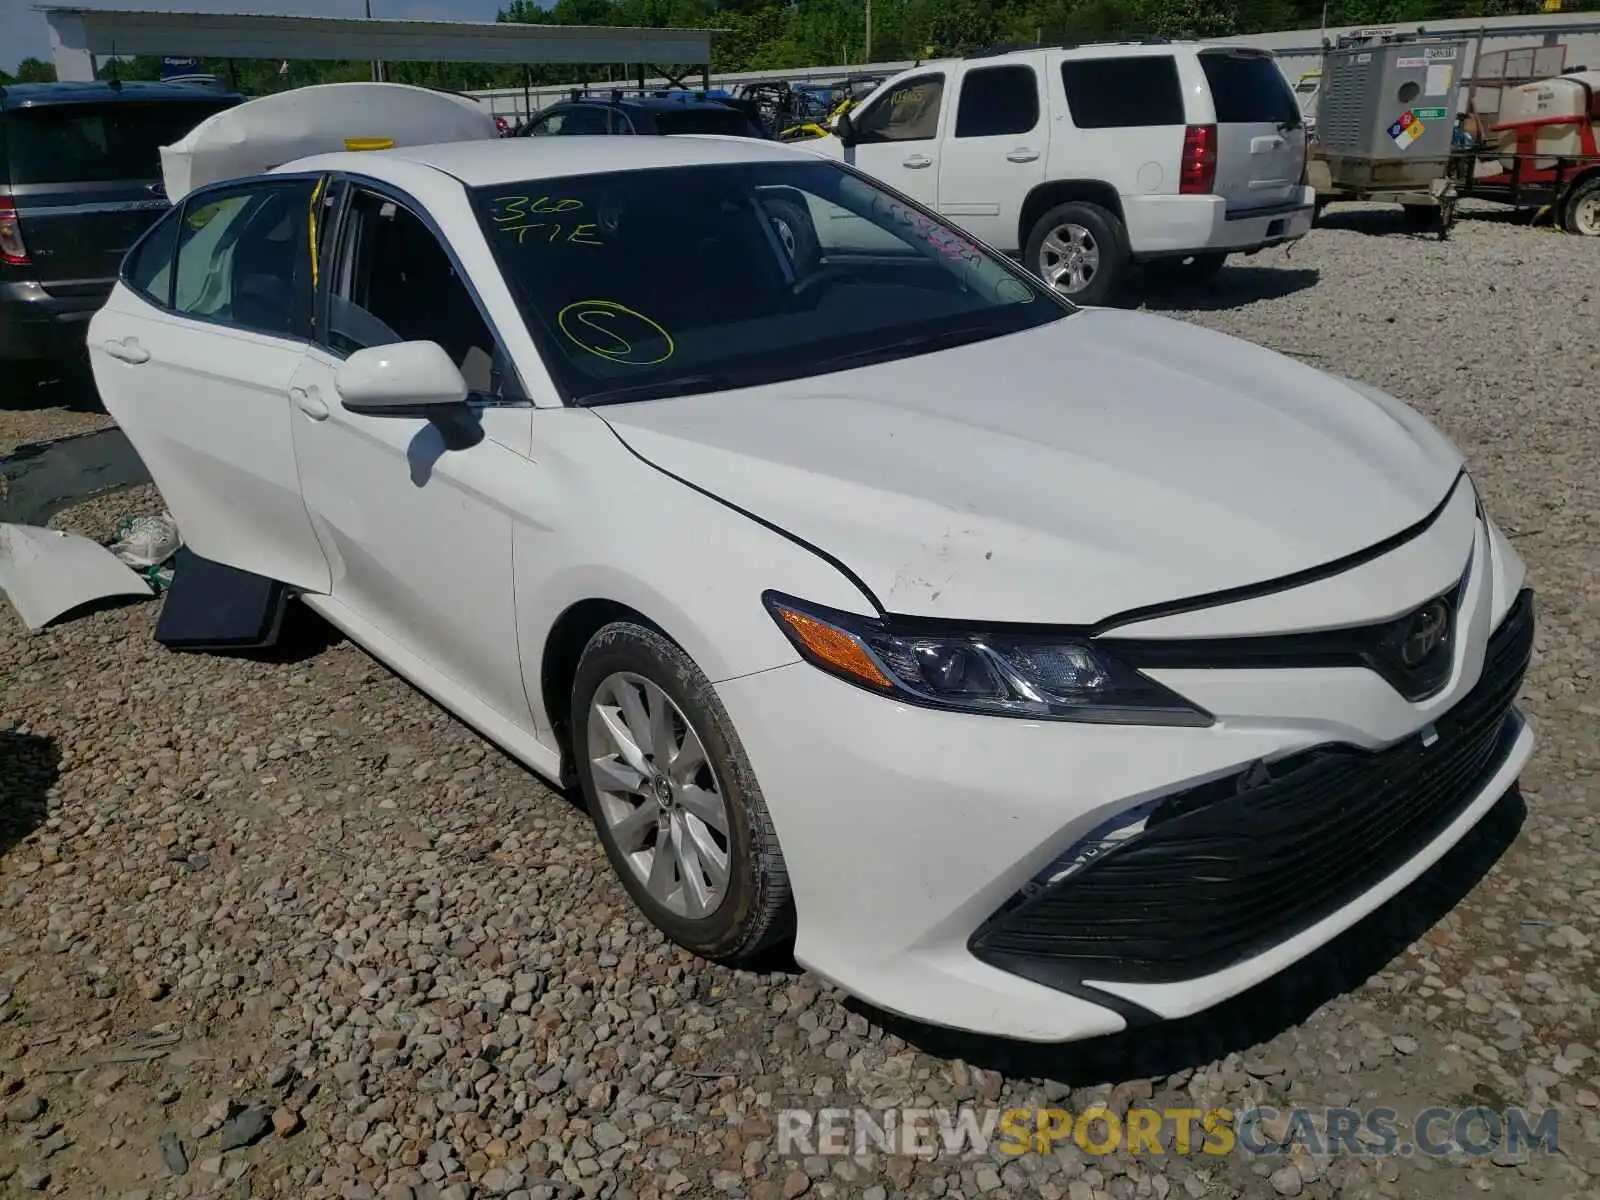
(653, 103)
(34, 95)
(495, 161)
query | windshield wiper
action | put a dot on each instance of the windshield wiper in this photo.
(922, 341)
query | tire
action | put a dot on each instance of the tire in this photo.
(1581, 213)
(1105, 251)
(1421, 218)
(1191, 271)
(798, 235)
(752, 908)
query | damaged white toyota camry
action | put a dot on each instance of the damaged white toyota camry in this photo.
(1037, 670)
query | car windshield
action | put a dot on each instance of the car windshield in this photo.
(98, 143)
(669, 281)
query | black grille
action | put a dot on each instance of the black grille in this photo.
(1222, 872)
(1381, 648)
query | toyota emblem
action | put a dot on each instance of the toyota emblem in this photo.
(1425, 633)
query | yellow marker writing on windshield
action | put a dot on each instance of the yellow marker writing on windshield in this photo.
(613, 331)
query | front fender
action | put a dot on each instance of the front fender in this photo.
(617, 529)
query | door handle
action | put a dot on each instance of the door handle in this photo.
(128, 350)
(917, 161)
(1022, 155)
(312, 406)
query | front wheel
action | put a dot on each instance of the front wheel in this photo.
(1581, 213)
(673, 797)
(1079, 249)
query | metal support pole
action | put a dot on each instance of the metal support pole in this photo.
(868, 56)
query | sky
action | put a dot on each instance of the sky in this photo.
(23, 32)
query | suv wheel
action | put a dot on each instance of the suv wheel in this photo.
(1079, 249)
(673, 797)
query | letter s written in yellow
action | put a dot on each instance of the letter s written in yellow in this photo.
(1220, 1137)
(1016, 1131)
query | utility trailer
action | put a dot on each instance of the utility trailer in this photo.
(1385, 125)
(1529, 135)
(1535, 143)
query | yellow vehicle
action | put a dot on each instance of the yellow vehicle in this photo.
(855, 91)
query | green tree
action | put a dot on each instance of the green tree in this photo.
(35, 70)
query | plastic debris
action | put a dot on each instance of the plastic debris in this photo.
(148, 545)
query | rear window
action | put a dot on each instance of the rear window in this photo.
(97, 143)
(1248, 89)
(704, 120)
(1119, 93)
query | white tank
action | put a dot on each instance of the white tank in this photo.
(1532, 105)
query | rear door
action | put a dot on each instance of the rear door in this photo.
(195, 356)
(1261, 144)
(996, 154)
(86, 182)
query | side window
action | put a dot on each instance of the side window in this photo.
(585, 119)
(1122, 93)
(148, 269)
(621, 122)
(395, 283)
(997, 101)
(244, 257)
(547, 125)
(908, 113)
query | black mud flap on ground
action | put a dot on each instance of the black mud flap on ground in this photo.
(210, 607)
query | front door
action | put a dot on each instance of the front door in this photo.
(897, 137)
(195, 354)
(419, 536)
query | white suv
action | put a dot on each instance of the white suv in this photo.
(1087, 159)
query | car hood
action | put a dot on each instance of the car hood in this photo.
(1097, 465)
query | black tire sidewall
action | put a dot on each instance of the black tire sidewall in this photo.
(1108, 233)
(643, 652)
(807, 246)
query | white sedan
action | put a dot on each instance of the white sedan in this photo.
(1037, 670)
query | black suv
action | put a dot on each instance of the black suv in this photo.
(80, 180)
(665, 113)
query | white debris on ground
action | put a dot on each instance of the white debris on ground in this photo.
(278, 926)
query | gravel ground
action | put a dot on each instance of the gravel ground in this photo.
(279, 926)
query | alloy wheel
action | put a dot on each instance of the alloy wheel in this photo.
(1069, 259)
(658, 795)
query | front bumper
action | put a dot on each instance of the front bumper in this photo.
(34, 324)
(908, 831)
(1166, 226)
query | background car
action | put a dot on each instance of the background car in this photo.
(80, 181)
(1003, 653)
(1089, 160)
(668, 113)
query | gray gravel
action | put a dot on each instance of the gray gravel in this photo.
(286, 905)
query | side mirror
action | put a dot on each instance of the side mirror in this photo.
(844, 128)
(410, 379)
(407, 379)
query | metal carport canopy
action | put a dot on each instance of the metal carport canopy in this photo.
(77, 35)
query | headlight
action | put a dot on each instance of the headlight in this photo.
(1039, 676)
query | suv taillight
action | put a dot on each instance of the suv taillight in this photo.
(1198, 174)
(12, 251)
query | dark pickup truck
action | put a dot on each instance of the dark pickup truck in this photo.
(80, 180)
